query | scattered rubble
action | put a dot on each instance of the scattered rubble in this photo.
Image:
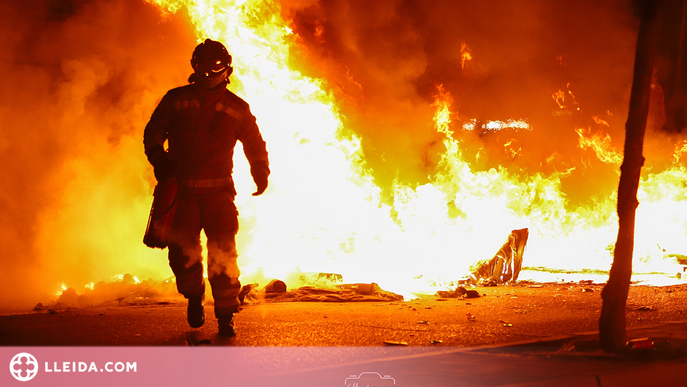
(246, 290)
(472, 294)
(641, 343)
(275, 286)
(460, 292)
(277, 292)
(122, 289)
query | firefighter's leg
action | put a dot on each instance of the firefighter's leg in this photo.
(220, 221)
(185, 257)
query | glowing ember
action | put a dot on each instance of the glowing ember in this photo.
(560, 96)
(510, 124)
(600, 121)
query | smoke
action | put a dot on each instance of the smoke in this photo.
(81, 78)
(385, 59)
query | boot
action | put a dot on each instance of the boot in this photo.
(226, 326)
(195, 312)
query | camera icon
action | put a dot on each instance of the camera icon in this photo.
(370, 379)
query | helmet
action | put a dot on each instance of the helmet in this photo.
(211, 64)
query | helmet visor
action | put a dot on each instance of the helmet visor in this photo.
(210, 68)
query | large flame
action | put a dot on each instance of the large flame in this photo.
(457, 185)
(323, 211)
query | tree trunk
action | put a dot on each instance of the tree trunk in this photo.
(614, 294)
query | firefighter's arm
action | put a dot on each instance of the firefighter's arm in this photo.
(255, 149)
(154, 137)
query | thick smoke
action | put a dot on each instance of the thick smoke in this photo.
(385, 60)
(80, 79)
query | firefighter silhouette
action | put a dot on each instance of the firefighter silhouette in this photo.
(201, 123)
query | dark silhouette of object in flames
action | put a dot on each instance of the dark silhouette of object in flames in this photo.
(505, 265)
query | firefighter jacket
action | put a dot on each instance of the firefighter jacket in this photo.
(202, 127)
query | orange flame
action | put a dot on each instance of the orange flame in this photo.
(600, 144)
(680, 148)
(442, 115)
(465, 55)
(323, 212)
(600, 121)
(560, 96)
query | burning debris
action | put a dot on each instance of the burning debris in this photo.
(504, 267)
(125, 289)
(460, 292)
(276, 291)
(246, 290)
(506, 264)
(275, 287)
(395, 343)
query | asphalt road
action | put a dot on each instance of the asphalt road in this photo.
(502, 315)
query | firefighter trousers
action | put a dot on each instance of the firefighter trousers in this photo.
(216, 214)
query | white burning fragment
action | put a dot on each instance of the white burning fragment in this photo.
(474, 124)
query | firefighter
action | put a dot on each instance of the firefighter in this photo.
(201, 123)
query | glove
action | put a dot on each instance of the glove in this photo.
(164, 170)
(260, 171)
(163, 167)
(262, 186)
